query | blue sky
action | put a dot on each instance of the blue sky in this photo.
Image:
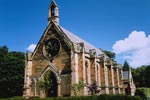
(107, 24)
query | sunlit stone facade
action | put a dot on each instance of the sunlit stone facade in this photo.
(70, 61)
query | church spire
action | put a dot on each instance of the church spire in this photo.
(53, 12)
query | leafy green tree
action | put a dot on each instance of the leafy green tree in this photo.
(141, 76)
(110, 54)
(11, 72)
(138, 76)
(140, 92)
(146, 74)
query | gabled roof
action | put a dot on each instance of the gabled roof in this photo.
(76, 39)
(72, 37)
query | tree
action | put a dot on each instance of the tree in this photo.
(126, 66)
(146, 74)
(11, 72)
(141, 76)
(141, 93)
(110, 54)
(3, 50)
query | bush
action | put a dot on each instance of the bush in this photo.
(148, 98)
(77, 87)
(100, 97)
(144, 93)
(103, 97)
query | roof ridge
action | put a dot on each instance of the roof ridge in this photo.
(76, 39)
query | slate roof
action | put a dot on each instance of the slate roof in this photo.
(76, 39)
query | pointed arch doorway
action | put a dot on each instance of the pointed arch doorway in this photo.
(52, 73)
(53, 90)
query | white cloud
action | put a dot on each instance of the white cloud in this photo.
(135, 49)
(31, 47)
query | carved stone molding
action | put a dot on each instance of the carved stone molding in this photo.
(78, 47)
(92, 53)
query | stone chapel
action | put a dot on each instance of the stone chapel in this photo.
(70, 60)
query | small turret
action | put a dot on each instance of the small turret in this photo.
(53, 13)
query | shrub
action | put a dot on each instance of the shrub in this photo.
(103, 97)
(77, 87)
(140, 92)
(100, 97)
(148, 98)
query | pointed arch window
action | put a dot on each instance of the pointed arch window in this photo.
(86, 71)
(52, 10)
(97, 69)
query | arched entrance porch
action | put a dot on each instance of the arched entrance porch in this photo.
(53, 90)
(52, 73)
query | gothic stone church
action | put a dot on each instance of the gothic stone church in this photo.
(70, 60)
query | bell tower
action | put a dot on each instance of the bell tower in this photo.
(53, 12)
